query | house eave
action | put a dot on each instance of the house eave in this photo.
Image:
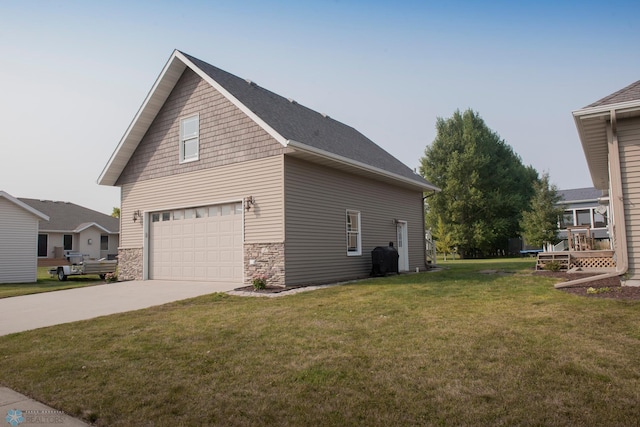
(591, 123)
(350, 164)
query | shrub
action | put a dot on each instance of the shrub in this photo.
(111, 277)
(552, 266)
(259, 282)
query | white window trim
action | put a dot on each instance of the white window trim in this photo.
(183, 139)
(358, 252)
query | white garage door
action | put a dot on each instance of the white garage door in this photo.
(198, 244)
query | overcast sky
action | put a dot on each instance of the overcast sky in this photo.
(74, 73)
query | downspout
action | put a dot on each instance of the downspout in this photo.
(617, 205)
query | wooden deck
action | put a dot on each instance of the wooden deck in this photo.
(585, 261)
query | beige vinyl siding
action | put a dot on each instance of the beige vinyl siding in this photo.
(260, 178)
(316, 201)
(18, 244)
(226, 136)
(629, 146)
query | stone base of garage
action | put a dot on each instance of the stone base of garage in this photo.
(263, 259)
(130, 264)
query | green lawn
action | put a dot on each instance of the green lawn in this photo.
(46, 283)
(455, 347)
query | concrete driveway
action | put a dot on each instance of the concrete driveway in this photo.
(27, 312)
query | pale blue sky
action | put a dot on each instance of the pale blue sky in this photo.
(74, 73)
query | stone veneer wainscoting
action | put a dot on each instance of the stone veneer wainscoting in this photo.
(130, 264)
(268, 261)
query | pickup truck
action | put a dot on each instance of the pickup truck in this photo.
(80, 267)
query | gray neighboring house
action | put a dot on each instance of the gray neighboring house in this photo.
(73, 228)
(18, 240)
(609, 131)
(586, 207)
(222, 180)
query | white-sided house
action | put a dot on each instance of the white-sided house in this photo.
(74, 228)
(609, 130)
(222, 179)
(18, 240)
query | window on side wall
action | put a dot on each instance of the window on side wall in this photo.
(354, 238)
(67, 242)
(104, 242)
(189, 139)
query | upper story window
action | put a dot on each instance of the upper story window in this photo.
(354, 238)
(189, 138)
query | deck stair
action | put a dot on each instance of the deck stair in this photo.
(562, 258)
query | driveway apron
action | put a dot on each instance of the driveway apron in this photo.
(27, 312)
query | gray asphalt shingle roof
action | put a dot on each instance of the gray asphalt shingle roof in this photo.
(574, 194)
(65, 216)
(629, 93)
(298, 123)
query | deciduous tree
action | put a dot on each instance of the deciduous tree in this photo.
(485, 186)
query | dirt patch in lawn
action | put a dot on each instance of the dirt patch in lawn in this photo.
(602, 288)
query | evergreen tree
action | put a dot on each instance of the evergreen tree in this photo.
(485, 186)
(539, 222)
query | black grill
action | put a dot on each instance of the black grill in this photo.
(384, 260)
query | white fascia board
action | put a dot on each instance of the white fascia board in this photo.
(89, 225)
(359, 165)
(23, 205)
(604, 110)
(153, 102)
(234, 100)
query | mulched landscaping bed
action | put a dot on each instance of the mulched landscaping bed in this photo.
(615, 290)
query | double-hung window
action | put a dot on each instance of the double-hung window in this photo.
(189, 138)
(354, 238)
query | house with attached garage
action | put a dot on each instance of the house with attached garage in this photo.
(609, 130)
(18, 240)
(222, 180)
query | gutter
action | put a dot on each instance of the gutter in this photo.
(617, 206)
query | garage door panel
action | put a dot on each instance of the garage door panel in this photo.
(202, 244)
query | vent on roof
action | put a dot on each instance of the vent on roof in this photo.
(325, 115)
(291, 100)
(250, 82)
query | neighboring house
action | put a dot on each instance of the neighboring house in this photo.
(585, 207)
(222, 179)
(18, 240)
(609, 130)
(73, 228)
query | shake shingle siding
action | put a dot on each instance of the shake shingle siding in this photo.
(316, 201)
(227, 135)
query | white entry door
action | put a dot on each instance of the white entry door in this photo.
(403, 246)
(197, 244)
